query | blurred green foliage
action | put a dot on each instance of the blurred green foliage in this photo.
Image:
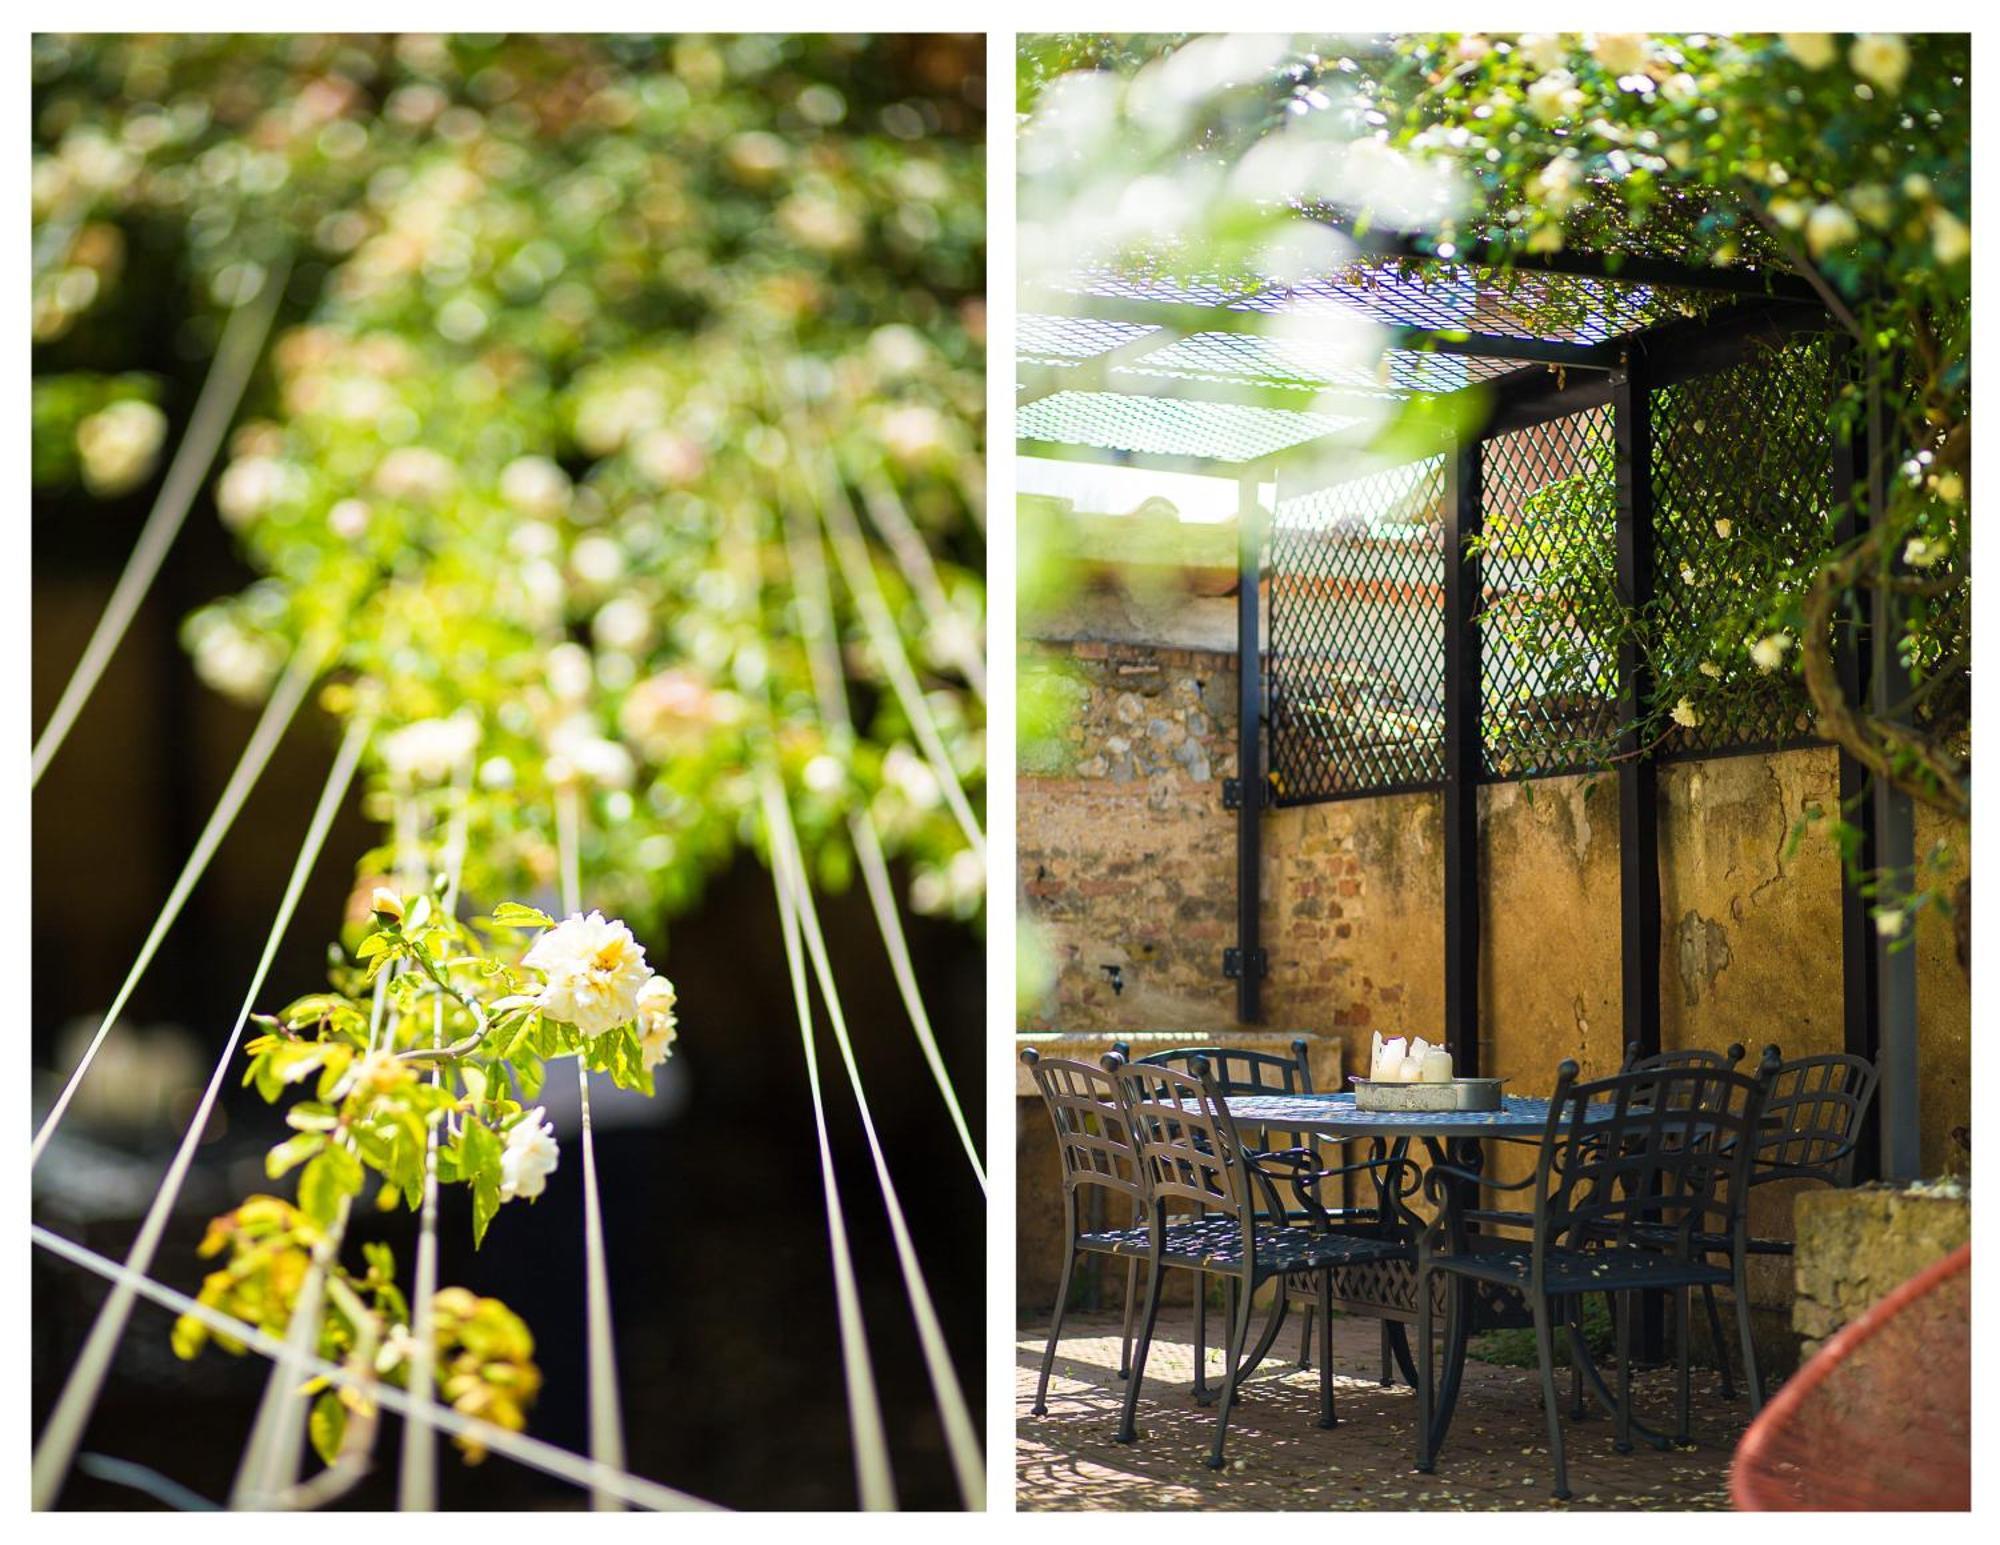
(569, 325)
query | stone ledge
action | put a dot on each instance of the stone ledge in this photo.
(1856, 1247)
(1323, 1051)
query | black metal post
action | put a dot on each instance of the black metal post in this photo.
(1861, 1012)
(1463, 508)
(1895, 854)
(1249, 961)
(1638, 775)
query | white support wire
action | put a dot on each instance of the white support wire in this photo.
(813, 598)
(270, 1464)
(913, 557)
(850, 549)
(607, 1429)
(873, 1477)
(86, 1378)
(236, 357)
(271, 726)
(961, 1437)
(416, 1478)
(534, 1453)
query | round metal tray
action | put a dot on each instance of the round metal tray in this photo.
(1459, 1094)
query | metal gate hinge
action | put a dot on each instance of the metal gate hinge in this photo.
(1232, 793)
(1232, 963)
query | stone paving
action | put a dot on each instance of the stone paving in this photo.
(1496, 1456)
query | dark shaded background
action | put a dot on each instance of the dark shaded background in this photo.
(721, 1278)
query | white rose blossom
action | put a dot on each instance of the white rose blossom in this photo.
(595, 973)
(1880, 58)
(1622, 53)
(1829, 228)
(1813, 50)
(430, 750)
(529, 1158)
(1768, 653)
(118, 446)
(1686, 716)
(657, 1022)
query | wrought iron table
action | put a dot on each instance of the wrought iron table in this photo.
(1387, 1291)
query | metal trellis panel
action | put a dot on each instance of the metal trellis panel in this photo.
(1742, 462)
(1357, 636)
(1551, 596)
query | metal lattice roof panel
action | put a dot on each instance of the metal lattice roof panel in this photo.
(1165, 426)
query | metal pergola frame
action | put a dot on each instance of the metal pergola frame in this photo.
(1550, 379)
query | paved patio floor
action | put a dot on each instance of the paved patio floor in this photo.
(1495, 1457)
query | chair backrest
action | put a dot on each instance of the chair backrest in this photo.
(1091, 1129)
(1658, 1147)
(1237, 1072)
(1813, 1119)
(1687, 1057)
(1190, 1156)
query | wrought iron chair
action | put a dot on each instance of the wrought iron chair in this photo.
(1238, 1071)
(1097, 1153)
(1686, 1057)
(1631, 1170)
(1194, 1160)
(1811, 1131)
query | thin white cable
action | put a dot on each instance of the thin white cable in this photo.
(271, 726)
(607, 1429)
(961, 1437)
(876, 1482)
(913, 557)
(850, 550)
(235, 357)
(416, 1479)
(269, 1468)
(813, 598)
(86, 1377)
(519, 1447)
(882, 897)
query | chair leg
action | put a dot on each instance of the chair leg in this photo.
(1719, 1341)
(1325, 1307)
(1306, 1337)
(1741, 1288)
(1041, 1405)
(1426, 1460)
(1622, 1306)
(1239, 1335)
(1545, 1352)
(1388, 1356)
(1579, 1407)
(1131, 1304)
(1201, 1395)
(1683, 1324)
(1127, 1428)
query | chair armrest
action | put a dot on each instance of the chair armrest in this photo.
(1437, 1174)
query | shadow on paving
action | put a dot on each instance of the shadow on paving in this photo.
(1496, 1455)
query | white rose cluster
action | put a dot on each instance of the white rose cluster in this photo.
(595, 972)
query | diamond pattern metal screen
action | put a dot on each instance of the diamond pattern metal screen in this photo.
(1357, 636)
(1549, 619)
(1163, 426)
(1742, 463)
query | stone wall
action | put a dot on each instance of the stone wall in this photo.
(1127, 872)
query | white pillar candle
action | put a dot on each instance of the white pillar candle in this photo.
(1437, 1066)
(1391, 1066)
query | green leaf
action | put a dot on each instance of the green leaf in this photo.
(333, 1175)
(485, 1203)
(328, 1426)
(512, 914)
(292, 1152)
